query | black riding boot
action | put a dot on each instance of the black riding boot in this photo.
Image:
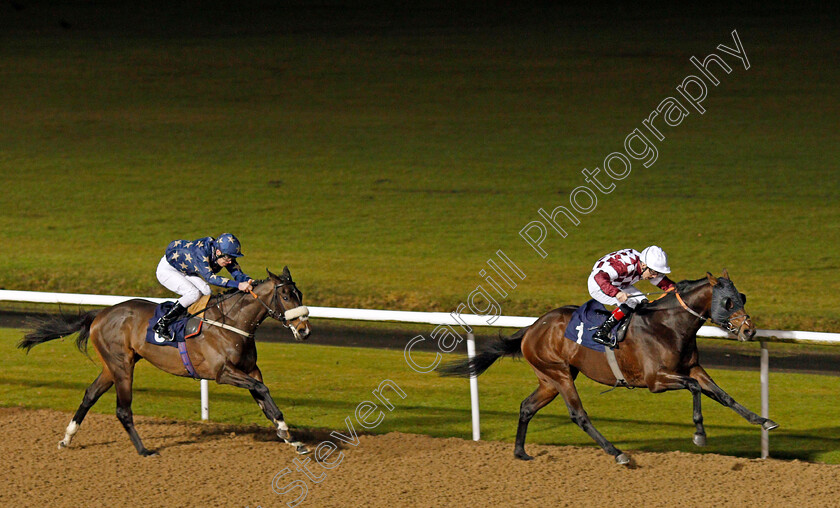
(162, 326)
(602, 334)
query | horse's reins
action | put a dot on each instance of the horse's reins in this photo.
(727, 325)
(218, 303)
(222, 298)
(299, 311)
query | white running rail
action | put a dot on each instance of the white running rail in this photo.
(443, 318)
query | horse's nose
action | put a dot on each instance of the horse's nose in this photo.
(749, 333)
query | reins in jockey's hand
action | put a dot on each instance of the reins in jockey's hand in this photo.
(217, 303)
(284, 316)
(653, 293)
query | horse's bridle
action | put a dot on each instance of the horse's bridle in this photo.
(286, 315)
(726, 325)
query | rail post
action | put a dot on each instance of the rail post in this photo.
(765, 398)
(476, 424)
(205, 400)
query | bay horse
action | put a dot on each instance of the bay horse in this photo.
(224, 351)
(659, 352)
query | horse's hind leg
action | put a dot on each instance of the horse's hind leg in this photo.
(100, 385)
(715, 392)
(544, 394)
(566, 386)
(233, 376)
(124, 379)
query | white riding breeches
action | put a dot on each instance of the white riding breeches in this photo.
(190, 287)
(634, 296)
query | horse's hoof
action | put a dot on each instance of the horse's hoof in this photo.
(769, 425)
(301, 449)
(522, 455)
(622, 459)
(62, 445)
(284, 435)
(149, 453)
(700, 439)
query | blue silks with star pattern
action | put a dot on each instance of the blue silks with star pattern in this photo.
(198, 258)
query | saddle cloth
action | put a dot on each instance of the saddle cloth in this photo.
(181, 330)
(586, 319)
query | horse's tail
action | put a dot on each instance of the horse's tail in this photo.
(55, 327)
(503, 346)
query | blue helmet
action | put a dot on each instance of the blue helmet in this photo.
(229, 245)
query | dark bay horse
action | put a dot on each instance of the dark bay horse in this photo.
(224, 351)
(659, 352)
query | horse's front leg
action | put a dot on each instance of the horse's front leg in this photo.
(282, 428)
(669, 381)
(715, 392)
(232, 376)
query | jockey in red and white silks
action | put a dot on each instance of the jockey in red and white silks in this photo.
(614, 275)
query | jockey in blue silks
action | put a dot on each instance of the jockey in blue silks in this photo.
(188, 267)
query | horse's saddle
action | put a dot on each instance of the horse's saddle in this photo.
(193, 325)
(181, 330)
(587, 318)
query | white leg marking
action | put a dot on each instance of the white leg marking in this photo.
(300, 448)
(68, 435)
(283, 431)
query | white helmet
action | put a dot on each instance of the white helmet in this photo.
(656, 259)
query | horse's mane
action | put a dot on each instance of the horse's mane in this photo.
(667, 301)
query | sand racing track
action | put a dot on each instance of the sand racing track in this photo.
(208, 464)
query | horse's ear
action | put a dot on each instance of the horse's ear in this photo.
(270, 275)
(712, 280)
(286, 273)
(725, 274)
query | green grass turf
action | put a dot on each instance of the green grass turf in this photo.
(304, 381)
(386, 152)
